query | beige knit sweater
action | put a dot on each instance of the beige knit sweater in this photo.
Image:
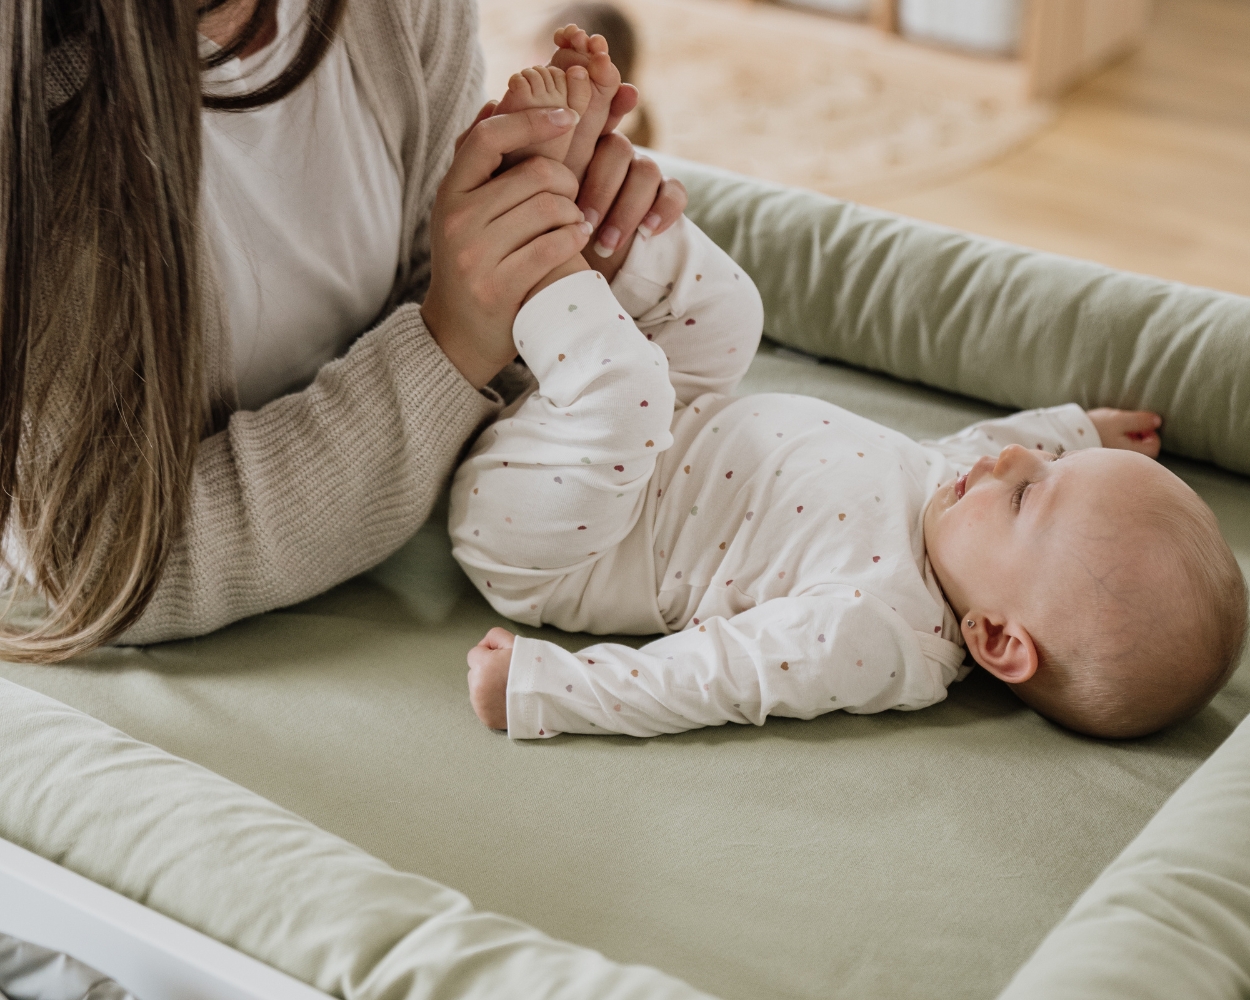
(317, 486)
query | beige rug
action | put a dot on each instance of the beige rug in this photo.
(798, 97)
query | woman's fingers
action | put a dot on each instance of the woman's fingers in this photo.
(513, 187)
(484, 148)
(668, 206)
(528, 265)
(488, 109)
(623, 103)
(529, 220)
(605, 176)
(632, 205)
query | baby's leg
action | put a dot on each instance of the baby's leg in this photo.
(545, 87)
(550, 489)
(697, 304)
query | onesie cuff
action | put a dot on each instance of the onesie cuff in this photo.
(1081, 432)
(524, 707)
(550, 320)
(646, 278)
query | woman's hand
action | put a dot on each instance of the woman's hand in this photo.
(1131, 430)
(494, 238)
(627, 191)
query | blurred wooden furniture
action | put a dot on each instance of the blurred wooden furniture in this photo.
(884, 14)
(1066, 41)
(1063, 41)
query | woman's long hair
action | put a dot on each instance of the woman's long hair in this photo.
(103, 391)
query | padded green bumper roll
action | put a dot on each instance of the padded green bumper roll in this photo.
(1170, 917)
(982, 318)
(228, 863)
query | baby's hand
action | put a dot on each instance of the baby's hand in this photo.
(489, 661)
(1131, 430)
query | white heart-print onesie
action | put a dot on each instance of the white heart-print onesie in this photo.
(775, 539)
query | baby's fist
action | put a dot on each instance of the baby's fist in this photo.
(1131, 430)
(489, 661)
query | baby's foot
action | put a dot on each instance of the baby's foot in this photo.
(546, 87)
(576, 48)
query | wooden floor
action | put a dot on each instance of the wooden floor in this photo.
(1146, 168)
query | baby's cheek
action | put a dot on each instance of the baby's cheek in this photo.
(966, 555)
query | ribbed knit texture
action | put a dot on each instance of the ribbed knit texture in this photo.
(322, 484)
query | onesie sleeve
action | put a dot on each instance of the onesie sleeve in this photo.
(792, 656)
(690, 297)
(1054, 429)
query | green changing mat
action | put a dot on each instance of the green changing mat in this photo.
(1170, 917)
(921, 854)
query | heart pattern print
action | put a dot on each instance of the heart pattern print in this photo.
(771, 540)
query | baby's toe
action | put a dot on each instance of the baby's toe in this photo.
(520, 87)
(603, 73)
(557, 83)
(538, 83)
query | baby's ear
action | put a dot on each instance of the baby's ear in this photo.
(1005, 649)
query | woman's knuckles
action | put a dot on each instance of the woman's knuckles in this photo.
(543, 174)
(647, 170)
(467, 260)
(615, 145)
(456, 221)
(554, 209)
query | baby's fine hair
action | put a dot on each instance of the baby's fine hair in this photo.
(1159, 651)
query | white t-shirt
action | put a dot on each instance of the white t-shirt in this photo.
(303, 204)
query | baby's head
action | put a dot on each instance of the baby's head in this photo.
(1097, 585)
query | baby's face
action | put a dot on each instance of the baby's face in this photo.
(1023, 528)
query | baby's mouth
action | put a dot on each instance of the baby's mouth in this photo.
(961, 484)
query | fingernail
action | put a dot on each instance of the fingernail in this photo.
(608, 241)
(586, 228)
(562, 116)
(649, 225)
(591, 216)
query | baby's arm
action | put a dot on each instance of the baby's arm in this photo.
(690, 297)
(1055, 429)
(792, 656)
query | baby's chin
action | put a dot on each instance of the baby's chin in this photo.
(943, 499)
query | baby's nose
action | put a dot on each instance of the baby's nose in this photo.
(1009, 458)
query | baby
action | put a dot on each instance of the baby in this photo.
(798, 558)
